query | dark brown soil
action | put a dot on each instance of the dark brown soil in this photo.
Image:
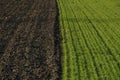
(29, 40)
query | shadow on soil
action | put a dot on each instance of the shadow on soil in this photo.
(57, 43)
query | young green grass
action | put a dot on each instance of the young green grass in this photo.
(91, 39)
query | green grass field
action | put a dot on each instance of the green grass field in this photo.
(91, 39)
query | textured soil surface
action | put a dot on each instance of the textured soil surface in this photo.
(29, 40)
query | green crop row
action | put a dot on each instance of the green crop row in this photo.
(91, 39)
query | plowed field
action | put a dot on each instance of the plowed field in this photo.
(28, 47)
(59, 40)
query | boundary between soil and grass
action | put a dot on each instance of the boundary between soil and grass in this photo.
(57, 42)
